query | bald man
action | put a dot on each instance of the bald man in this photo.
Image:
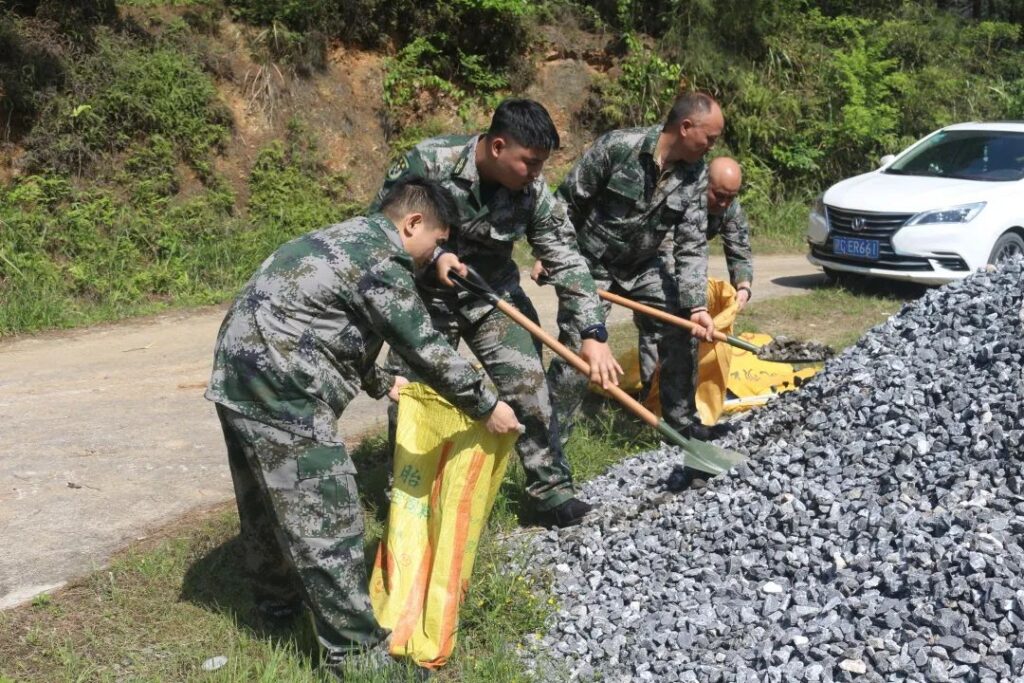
(628, 192)
(726, 218)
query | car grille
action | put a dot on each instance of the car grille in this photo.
(875, 226)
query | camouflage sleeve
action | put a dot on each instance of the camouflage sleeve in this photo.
(690, 253)
(585, 181)
(396, 312)
(736, 242)
(377, 381)
(553, 240)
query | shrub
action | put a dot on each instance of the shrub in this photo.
(291, 193)
(122, 93)
(32, 70)
(462, 49)
(71, 255)
(640, 95)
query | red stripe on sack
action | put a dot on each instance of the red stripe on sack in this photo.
(418, 593)
(462, 524)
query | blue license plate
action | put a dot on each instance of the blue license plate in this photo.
(855, 246)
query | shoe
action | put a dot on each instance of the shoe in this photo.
(279, 612)
(374, 661)
(685, 477)
(703, 432)
(569, 513)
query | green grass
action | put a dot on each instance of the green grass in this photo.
(779, 227)
(833, 314)
(165, 606)
(72, 256)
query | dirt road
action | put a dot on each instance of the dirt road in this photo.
(105, 434)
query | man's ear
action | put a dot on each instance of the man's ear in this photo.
(407, 226)
(497, 144)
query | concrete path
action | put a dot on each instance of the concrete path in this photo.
(104, 433)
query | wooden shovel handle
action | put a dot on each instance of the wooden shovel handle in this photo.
(576, 361)
(674, 319)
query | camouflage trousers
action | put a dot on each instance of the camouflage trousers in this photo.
(511, 358)
(647, 351)
(302, 527)
(652, 285)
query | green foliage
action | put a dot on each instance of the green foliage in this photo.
(412, 73)
(41, 600)
(69, 255)
(291, 194)
(460, 52)
(640, 95)
(32, 69)
(304, 52)
(124, 92)
(74, 22)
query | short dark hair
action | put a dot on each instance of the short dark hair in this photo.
(422, 195)
(526, 122)
(687, 106)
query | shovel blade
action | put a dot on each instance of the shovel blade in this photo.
(706, 457)
(701, 455)
(783, 350)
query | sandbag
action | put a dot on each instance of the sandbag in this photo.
(447, 470)
(752, 381)
(728, 379)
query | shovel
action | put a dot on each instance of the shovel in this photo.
(675, 320)
(698, 454)
(780, 350)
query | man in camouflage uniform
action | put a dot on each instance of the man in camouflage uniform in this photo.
(502, 197)
(628, 191)
(294, 349)
(726, 218)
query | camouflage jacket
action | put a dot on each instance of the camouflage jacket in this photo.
(623, 209)
(735, 231)
(301, 338)
(490, 225)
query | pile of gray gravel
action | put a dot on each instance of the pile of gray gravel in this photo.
(875, 534)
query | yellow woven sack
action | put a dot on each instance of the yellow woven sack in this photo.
(724, 370)
(447, 472)
(712, 359)
(753, 381)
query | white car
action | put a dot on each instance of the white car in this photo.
(943, 208)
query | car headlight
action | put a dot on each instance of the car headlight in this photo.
(953, 214)
(818, 207)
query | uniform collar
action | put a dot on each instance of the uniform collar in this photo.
(465, 167)
(650, 141)
(650, 145)
(389, 229)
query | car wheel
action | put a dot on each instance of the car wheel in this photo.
(831, 275)
(1009, 245)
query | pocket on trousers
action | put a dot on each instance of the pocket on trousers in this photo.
(327, 499)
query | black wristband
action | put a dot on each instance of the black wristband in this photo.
(750, 294)
(598, 332)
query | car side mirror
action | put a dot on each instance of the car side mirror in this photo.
(886, 160)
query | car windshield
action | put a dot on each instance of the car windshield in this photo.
(991, 155)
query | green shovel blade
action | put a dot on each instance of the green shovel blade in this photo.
(701, 455)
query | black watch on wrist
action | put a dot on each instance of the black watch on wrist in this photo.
(598, 332)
